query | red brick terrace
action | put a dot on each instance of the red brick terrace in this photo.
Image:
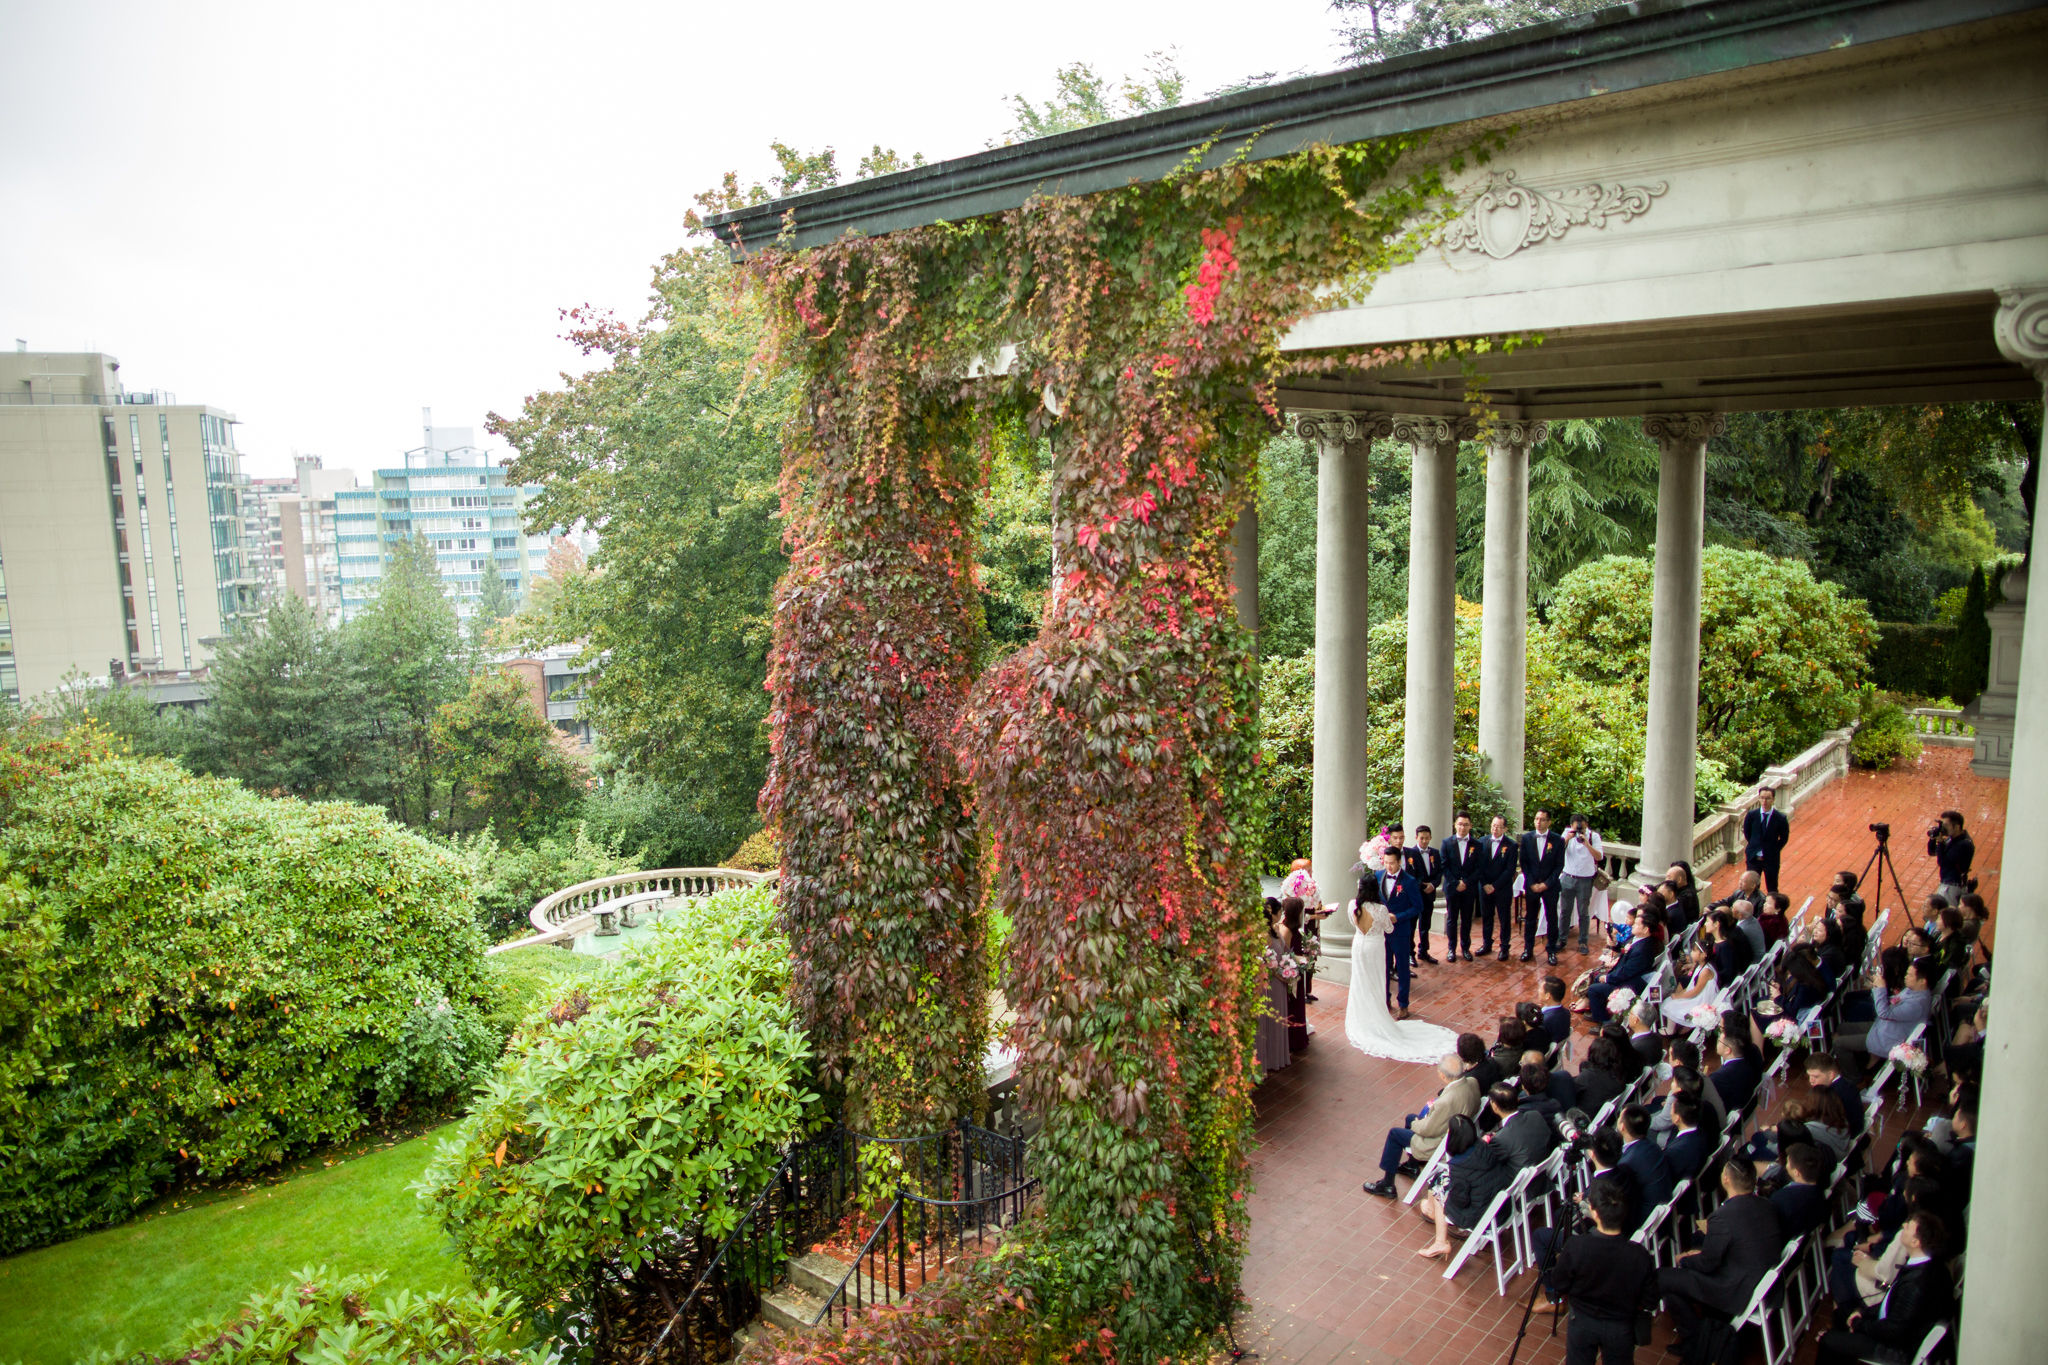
(1332, 1273)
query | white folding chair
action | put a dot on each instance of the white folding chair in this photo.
(1775, 1077)
(1758, 1314)
(1437, 1161)
(1786, 1310)
(1496, 1230)
(1542, 1192)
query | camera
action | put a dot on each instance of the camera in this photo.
(1936, 830)
(1883, 832)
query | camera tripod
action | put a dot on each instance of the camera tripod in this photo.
(1881, 859)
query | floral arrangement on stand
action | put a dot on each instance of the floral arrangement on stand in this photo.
(1620, 1000)
(1911, 1058)
(1786, 1033)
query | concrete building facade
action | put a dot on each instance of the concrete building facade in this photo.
(288, 530)
(120, 525)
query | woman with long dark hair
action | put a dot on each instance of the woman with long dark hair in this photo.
(1297, 996)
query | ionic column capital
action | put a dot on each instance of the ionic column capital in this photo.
(2021, 328)
(1342, 428)
(1432, 431)
(1669, 429)
(1517, 432)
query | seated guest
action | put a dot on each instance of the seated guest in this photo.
(1417, 1140)
(1633, 968)
(1976, 916)
(1685, 1054)
(1681, 897)
(1828, 943)
(1557, 1020)
(1801, 982)
(1478, 1065)
(1690, 1146)
(1902, 999)
(1599, 1079)
(1921, 1296)
(1728, 950)
(1802, 1203)
(1951, 948)
(1740, 1072)
(1629, 1064)
(1815, 1118)
(1525, 1135)
(1643, 1035)
(1965, 1055)
(1774, 917)
(1644, 1157)
(1556, 1084)
(1823, 1072)
(1462, 1192)
(1742, 1241)
(1747, 888)
(1509, 1045)
(1609, 1281)
(1751, 929)
(1859, 1275)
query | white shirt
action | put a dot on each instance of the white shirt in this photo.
(1580, 860)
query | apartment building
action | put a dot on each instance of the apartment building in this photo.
(288, 531)
(120, 525)
(448, 490)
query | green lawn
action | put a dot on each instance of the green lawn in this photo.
(141, 1284)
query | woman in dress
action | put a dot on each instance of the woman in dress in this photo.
(1297, 993)
(1702, 990)
(1460, 1191)
(1367, 1024)
(1272, 1035)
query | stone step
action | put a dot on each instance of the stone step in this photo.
(789, 1306)
(819, 1275)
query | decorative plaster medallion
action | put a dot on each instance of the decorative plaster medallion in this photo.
(1506, 215)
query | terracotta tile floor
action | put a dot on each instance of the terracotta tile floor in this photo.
(1332, 1273)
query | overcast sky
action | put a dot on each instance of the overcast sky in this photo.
(323, 220)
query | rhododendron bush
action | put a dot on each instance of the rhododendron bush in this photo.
(1110, 767)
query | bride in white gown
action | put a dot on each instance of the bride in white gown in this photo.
(1371, 1029)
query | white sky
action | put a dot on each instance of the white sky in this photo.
(323, 220)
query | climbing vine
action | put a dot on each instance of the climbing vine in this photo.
(1111, 764)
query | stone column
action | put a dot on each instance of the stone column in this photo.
(2008, 1254)
(1672, 744)
(1339, 797)
(1244, 567)
(1432, 634)
(1504, 629)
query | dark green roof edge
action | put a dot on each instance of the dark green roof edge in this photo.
(1625, 47)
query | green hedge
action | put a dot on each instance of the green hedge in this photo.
(197, 981)
(657, 1095)
(1912, 659)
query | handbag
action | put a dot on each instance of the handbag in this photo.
(1601, 881)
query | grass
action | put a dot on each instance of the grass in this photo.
(142, 1284)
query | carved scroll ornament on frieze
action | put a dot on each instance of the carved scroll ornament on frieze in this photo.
(1506, 215)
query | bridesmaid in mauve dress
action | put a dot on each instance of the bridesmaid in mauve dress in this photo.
(1297, 989)
(1272, 1034)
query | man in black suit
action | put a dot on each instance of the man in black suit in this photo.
(1426, 865)
(1525, 1135)
(1802, 1202)
(1631, 971)
(1685, 1155)
(1397, 891)
(1557, 1020)
(1919, 1297)
(1742, 1242)
(1823, 1072)
(1644, 1157)
(1764, 832)
(1609, 1280)
(1603, 1150)
(1497, 886)
(1542, 860)
(1463, 862)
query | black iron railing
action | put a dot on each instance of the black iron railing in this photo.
(916, 1238)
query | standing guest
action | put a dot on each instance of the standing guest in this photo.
(1557, 1020)
(1426, 865)
(1802, 1202)
(1542, 862)
(1271, 1039)
(1775, 917)
(1502, 856)
(1684, 905)
(1609, 1281)
(1921, 1296)
(1644, 1157)
(1764, 832)
(1952, 849)
(1582, 854)
(1464, 861)
(1417, 1139)
(1742, 1241)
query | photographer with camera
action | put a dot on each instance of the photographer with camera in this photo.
(1952, 849)
(1580, 878)
(1609, 1280)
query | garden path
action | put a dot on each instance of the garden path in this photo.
(1332, 1274)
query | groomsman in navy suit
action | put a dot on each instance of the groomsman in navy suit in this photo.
(1426, 865)
(1764, 832)
(1542, 867)
(1402, 897)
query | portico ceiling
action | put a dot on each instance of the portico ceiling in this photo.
(1928, 350)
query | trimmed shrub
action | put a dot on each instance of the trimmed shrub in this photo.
(655, 1099)
(512, 878)
(1912, 659)
(315, 1320)
(758, 854)
(1885, 735)
(197, 980)
(524, 979)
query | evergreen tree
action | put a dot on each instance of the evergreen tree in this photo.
(503, 766)
(494, 603)
(410, 648)
(288, 713)
(1969, 659)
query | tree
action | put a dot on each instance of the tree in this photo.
(494, 603)
(1782, 657)
(1969, 660)
(1015, 546)
(409, 647)
(502, 761)
(1083, 98)
(289, 711)
(1379, 29)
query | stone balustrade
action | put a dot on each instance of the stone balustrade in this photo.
(574, 910)
(1941, 726)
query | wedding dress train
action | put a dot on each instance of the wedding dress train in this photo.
(1371, 1029)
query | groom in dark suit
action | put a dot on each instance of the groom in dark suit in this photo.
(1397, 891)
(1765, 831)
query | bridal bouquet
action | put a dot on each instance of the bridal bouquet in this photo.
(1619, 1001)
(1910, 1057)
(1282, 963)
(1300, 883)
(1785, 1033)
